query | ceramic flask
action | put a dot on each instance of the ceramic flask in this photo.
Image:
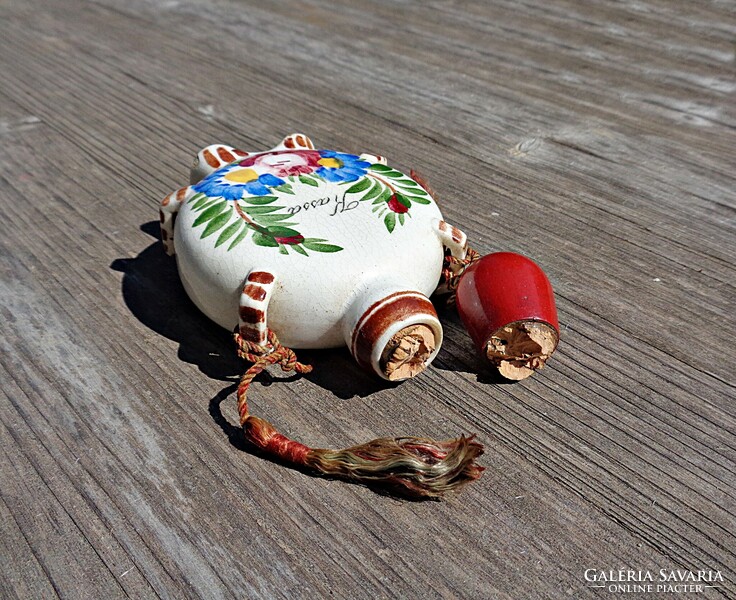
(325, 248)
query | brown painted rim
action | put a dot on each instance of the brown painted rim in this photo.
(386, 317)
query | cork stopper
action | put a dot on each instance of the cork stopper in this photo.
(396, 335)
(408, 352)
(518, 349)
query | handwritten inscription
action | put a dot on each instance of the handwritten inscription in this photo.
(341, 206)
(336, 203)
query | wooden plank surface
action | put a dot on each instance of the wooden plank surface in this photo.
(598, 138)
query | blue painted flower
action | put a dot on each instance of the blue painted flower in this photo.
(233, 181)
(339, 167)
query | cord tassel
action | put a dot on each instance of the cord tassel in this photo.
(414, 467)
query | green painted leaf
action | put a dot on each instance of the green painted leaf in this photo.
(363, 184)
(210, 213)
(401, 218)
(419, 200)
(284, 188)
(408, 183)
(198, 200)
(207, 203)
(416, 190)
(199, 203)
(273, 219)
(282, 249)
(260, 199)
(283, 232)
(308, 180)
(261, 210)
(373, 192)
(387, 171)
(384, 197)
(229, 232)
(314, 240)
(217, 223)
(403, 199)
(320, 247)
(264, 240)
(239, 238)
(390, 221)
(298, 248)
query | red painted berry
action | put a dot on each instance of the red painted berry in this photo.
(294, 239)
(397, 206)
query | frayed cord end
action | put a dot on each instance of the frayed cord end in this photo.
(416, 468)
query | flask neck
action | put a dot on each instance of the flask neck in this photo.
(392, 331)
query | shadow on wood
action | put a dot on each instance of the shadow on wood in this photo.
(154, 294)
(237, 439)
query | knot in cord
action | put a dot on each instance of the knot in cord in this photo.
(262, 356)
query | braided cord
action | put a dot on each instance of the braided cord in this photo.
(262, 357)
(453, 269)
(257, 431)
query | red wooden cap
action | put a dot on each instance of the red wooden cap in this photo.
(507, 305)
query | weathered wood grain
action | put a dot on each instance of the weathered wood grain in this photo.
(597, 138)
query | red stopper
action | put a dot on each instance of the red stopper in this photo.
(507, 305)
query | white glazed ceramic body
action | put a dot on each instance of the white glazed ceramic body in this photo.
(337, 232)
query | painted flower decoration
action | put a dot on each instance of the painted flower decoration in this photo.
(258, 197)
(339, 167)
(233, 181)
(284, 163)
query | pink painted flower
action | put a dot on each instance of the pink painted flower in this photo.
(284, 163)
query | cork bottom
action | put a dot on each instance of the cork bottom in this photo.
(407, 353)
(518, 349)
